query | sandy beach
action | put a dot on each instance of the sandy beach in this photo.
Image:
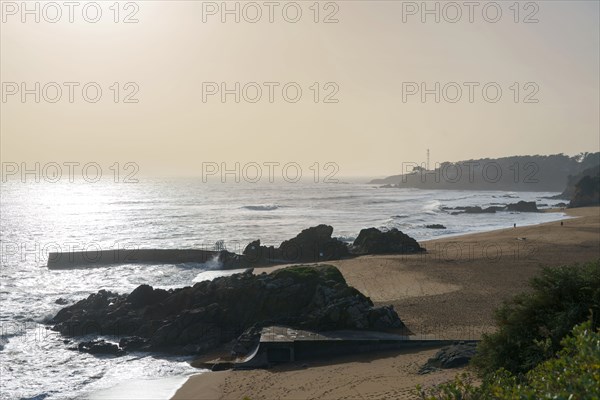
(450, 292)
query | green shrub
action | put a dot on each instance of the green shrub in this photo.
(574, 374)
(575, 371)
(532, 325)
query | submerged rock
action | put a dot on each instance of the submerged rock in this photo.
(435, 226)
(196, 319)
(479, 210)
(100, 347)
(473, 210)
(521, 206)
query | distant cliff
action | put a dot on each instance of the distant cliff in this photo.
(573, 180)
(587, 189)
(519, 173)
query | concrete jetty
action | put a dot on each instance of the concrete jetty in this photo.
(100, 258)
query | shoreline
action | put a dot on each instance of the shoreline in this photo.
(142, 389)
(456, 293)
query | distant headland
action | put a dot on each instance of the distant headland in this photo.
(535, 173)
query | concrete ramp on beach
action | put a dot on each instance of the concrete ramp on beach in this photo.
(282, 345)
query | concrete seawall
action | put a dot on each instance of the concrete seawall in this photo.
(270, 353)
(280, 345)
(100, 258)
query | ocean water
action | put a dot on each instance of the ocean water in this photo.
(37, 218)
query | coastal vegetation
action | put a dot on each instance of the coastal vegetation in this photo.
(573, 373)
(547, 344)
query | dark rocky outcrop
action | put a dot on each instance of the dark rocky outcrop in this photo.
(314, 244)
(256, 253)
(193, 320)
(145, 295)
(454, 356)
(523, 206)
(311, 245)
(587, 192)
(247, 341)
(374, 241)
(435, 226)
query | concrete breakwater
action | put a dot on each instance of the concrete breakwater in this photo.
(100, 258)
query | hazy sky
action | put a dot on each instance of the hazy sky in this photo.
(373, 58)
